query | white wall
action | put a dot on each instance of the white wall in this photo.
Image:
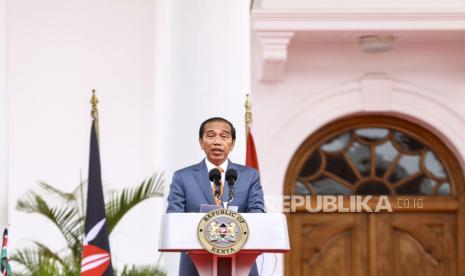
(57, 52)
(160, 67)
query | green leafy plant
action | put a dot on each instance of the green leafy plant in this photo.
(67, 214)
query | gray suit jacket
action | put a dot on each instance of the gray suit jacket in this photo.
(191, 187)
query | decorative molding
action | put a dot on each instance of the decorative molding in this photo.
(345, 99)
(359, 20)
(358, 4)
(275, 28)
(274, 54)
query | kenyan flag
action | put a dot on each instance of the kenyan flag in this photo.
(96, 258)
(4, 265)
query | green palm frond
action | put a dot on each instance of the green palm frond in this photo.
(65, 218)
(119, 203)
(68, 217)
(141, 271)
(38, 262)
(63, 195)
(29, 258)
(48, 253)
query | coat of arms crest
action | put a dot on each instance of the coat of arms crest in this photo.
(222, 232)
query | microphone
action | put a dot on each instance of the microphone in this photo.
(215, 176)
(231, 177)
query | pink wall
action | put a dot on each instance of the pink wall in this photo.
(324, 81)
(337, 4)
(325, 76)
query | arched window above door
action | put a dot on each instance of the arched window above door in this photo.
(368, 157)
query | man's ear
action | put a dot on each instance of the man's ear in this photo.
(201, 144)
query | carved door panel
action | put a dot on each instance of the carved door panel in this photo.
(417, 244)
(381, 244)
(328, 244)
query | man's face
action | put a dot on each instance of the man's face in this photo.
(217, 141)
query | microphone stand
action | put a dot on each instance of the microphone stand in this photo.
(217, 193)
(225, 204)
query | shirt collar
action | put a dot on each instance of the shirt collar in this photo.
(211, 166)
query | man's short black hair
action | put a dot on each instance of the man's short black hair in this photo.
(215, 119)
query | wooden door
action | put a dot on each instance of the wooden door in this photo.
(378, 155)
(328, 244)
(415, 244)
(380, 244)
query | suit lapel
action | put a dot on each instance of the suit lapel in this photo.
(201, 177)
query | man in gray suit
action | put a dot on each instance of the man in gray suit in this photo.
(191, 186)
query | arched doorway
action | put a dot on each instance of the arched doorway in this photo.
(377, 155)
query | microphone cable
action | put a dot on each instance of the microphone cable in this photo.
(275, 263)
(274, 266)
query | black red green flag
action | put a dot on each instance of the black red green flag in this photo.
(96, 257)
(4, 261)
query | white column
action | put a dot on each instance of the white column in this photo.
(3, 121)
(208, 75)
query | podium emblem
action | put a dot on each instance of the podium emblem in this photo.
(223, 232)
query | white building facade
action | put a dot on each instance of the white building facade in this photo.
(161, 67)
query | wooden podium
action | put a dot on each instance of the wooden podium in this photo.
(267, 234)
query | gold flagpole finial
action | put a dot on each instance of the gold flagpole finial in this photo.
(94, 112)
(94, 102)
(248, 112)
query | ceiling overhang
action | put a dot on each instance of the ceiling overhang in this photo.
(275, 28)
